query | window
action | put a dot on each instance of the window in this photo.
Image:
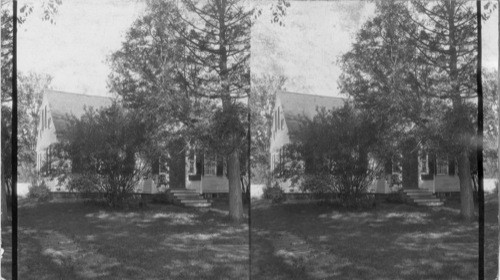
(220, 166)
(282, 122)
(275, 120)
(442, 166)
(192, 163)
(45, 117)
(272, 162)
(210, 166)
(277, 159)
(47, 161)
(278, 119)
(48, 122)
(396, 167)
(424, 164)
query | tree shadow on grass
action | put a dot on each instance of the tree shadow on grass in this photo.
(161, 242)
(491, 236)
(388, 242)
(7, 253)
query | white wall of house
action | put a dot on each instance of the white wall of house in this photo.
(280, 136)
(215, 184)
(46, 136)
(441, 182)
(210, 182)
(194, 185)
(46, 133)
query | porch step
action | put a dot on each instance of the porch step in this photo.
(417, 191)
(438, 203)
(198, 204)
(417, 196)
(188, 198)
(422, 197)
(187, 201)
(182, 191)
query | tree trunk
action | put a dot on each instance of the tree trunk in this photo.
(235, 194)
(177, 165)
(5, 217)
(498, 141)
(410, 165)
(466, 195)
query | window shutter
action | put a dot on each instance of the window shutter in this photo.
(432, 164)
(49, 160)
(220, 166)
(199, 164)
(275, 121)
(278, 119)
(451, 167)
(46, 159)
(388, 167)
(155, 168)
(309, 164)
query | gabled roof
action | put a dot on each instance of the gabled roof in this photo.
(295, 105)
(66, 103)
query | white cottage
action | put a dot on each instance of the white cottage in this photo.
(203, 172)
(55, 106)
(437, 174)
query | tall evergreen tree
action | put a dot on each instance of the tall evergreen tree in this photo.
(185, 66)
(447, 41)
(218, 41)
(415, 62)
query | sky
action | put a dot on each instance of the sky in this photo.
(314, 35)
(305, 50)
(74, 49)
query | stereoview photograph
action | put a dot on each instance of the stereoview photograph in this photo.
(133, 139)
(364, 163)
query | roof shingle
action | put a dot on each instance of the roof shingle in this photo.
(295, 105)
(66, 103)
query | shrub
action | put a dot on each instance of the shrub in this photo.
(396, 197)
(274, 193)
(134, 203)
(318, 184)
(358, 202)
(161, 197)
(102, 147)
(84, 184)
(334, 151)
(39, 192)
(323, 186)
(88, 186)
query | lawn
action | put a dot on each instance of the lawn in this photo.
(491, 236)
(70, 240)
(393, 241)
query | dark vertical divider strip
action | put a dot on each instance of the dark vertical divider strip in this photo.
(480, 144)
(14, 142)
(249, 190)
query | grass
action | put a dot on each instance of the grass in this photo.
(491, 236)
(393, 241)
(290, 241)
(70, 240)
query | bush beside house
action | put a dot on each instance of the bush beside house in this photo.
(102, 147)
